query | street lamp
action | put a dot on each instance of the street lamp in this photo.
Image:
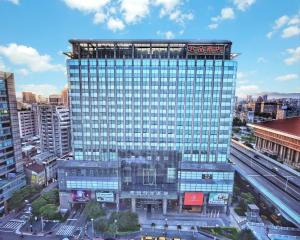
(92, 219)
(116, 225)
(46, 178)
(286, 183)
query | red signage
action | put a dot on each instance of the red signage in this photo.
(205, 49)
(193, 198)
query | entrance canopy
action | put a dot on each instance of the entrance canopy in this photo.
(193, 198)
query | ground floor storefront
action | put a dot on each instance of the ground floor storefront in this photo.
(150, 202)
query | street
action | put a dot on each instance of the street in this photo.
(268, 184)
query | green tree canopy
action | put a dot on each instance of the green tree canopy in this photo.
(18, 198)
(94, 210)
(246, 234)
(49, 211)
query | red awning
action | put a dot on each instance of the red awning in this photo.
(193, 199)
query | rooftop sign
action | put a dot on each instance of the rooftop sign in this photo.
(205, 49)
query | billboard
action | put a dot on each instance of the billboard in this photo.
(105, 197)
(81, 195)
(193, 198)
(218, 198)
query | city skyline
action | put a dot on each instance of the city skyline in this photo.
(34, 52)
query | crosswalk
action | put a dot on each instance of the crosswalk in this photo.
(65, 230)
(12, 225)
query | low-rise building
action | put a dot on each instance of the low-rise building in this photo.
(49, 161)
(35, 174)
(280, 138)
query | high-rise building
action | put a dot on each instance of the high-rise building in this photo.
(11, 169)
(151, 123)
(65, 97)
(55, 99)
(28, 97)
(28, 123)
(54, 129)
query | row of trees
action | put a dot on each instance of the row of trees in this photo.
(47, 205)
(18, 198)
(118, 222)
(243, 199)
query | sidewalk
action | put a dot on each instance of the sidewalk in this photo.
(185, 220)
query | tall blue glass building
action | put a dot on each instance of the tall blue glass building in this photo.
(151, 123)
(12, 177)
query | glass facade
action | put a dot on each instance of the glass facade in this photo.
(154, 102)
(11, 177)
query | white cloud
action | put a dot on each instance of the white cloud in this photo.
(280, 22)
(40, 89)
(115, 24)
(23, 71)
(16, 2)
(116, 14)
(243, 4)
(213, 26)
(2, 65)
(261, 60)
(99, 17)
(226, 13)
(288, 25)
(287, 77)
(168, 6)
(290, 31)
(244, 90)
(244, 77)
(167, 34)
(29, 57)
(179, 17)
(134, 10)
(87, 5)
(294, 56)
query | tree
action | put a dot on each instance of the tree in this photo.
(246, 234)
(179, 227)
(94, 210)
(52, 196)
(153, 225)
(37, 205)
(126, 221)
(49, 212)
(18, 197)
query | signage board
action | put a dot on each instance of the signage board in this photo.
(105, 197)
(193, 198)
(81, 195)
(218, 198)
(205, 49)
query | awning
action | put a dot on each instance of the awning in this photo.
(193, 198)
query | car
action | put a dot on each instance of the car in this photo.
(275, 169)
(161, 238)
(147, 238)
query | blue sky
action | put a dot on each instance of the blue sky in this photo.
(266, 33)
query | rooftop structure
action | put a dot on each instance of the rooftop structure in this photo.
(288, 126)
